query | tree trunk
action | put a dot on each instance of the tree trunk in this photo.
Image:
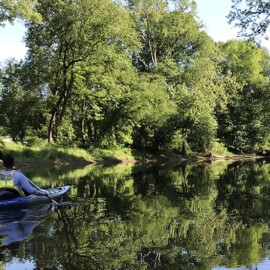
(184, 144)
(51, 127)
(91, 132)
(54, 115)
(83, 135)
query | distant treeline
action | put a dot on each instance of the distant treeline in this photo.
(141, 74)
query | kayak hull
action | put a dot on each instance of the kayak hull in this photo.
(24, 202)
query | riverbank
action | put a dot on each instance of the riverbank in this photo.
(50, 155)
(154, 159)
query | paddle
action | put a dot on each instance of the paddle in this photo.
(55, 202)
(47, 195)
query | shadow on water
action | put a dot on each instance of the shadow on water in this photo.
(183, 216)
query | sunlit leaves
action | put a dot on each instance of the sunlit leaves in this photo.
(245, 67)
(21, 9)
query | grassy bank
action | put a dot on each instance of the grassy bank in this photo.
(52, 155)
(49, 154)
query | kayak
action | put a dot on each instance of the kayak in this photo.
(26, 201)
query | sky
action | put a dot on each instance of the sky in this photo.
(212, 14)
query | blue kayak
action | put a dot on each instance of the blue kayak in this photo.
(23, 202)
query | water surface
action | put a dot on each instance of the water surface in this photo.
(186, 216)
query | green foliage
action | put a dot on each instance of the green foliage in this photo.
(112, 154)
(143, 76)
(21, 104)
(242, 126)
(219, 149)
(22, 9)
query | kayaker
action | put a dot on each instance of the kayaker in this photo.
(10, 179)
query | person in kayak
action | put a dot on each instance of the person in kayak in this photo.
(14, 183)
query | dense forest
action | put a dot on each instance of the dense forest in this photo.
(141, 74)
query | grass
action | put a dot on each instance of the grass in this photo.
(52, 154)
(111, 154)
(44, 153)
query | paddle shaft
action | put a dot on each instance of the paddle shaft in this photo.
(32, 183)
(55, 202)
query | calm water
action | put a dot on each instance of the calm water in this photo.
(193, 216)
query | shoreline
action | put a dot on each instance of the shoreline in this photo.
(81, 162)
(49, 156)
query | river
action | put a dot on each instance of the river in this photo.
(205, 216)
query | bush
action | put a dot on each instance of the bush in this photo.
(219, 149)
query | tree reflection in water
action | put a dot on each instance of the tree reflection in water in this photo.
(188, 216)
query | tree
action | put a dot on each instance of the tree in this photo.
(22, 106)
(243, 125)
(164, 34)
(22, 9)
(251, 16)
(151, 109)
(106, 88)
(179, 58)
(63, 48)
